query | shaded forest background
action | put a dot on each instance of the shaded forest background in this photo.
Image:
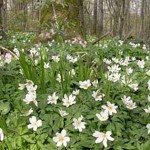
(74, 18)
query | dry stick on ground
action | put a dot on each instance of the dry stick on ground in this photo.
(103, 36)
(9, 51)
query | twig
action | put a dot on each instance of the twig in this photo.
(103, 36)
(9, 51)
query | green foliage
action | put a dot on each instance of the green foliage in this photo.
(128, 128)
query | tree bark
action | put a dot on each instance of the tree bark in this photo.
(1, 19)
(100, 18)
(95, 17)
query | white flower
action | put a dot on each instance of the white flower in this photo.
(110, 108)
(76, 92)
(59, 78)
(103, 137)
(67, 101)
(21, 86)
(148, 84)
(52, 99)
(97, 95)
(113, 77)
(61, 138)
(141, 63)
(148, 73)
(34, 123)
(133, 86)
(72, 72)
(131, 105)
(148, 127)
(84, 84)
(147, 110)
(78, 124)
(116, 60)
(103, 116)
(95, 83)
(32, 90)
(1, 135)
(129, 71)
(21, 72)
(125, 80)
(71, 59)
(148, 98)
(63, 113)
(46, 65)
(29, 112)
(30, 98)
(107, 61)
(29, 84)
(55, 58)
(114, 68)
(8, 58)
(126, 99)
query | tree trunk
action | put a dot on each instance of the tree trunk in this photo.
(142, 18)
(81, 17)
(95, 17)
(100, 18)
(1, 19)
(122, 17)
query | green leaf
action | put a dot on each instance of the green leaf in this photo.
(4, 107)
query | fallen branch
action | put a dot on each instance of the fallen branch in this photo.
(9, 51)
(103, 36)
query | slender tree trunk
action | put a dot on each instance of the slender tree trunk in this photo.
(142, 18)
(122, 17)
(1, 19)
(81, 16)
(95, 17)
(100, 18)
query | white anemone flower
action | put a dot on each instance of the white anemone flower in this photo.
(110, 108)
(148, 85)
(148, 98)
(97, 95)
(61, 138)
(63, 113)
(55, 58)
(30, 98)
(148, 127)
(147, 110)
(8, 58)
(141, 63)
(148, 73)
(84, 84)
(21, 86)
(68, 101)
(46, 65)
(1, 135)
(103, 116)
(52, 99)
(131, 105)
(114, 68)
(78, 124)
(133, 86)
(103, 137)
(95, 83)
(76, 92)
(126, 99)
(34, 123)
(29, 112)
(29, 84)
(129, 71)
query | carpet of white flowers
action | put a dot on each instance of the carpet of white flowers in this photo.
(71, 96)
